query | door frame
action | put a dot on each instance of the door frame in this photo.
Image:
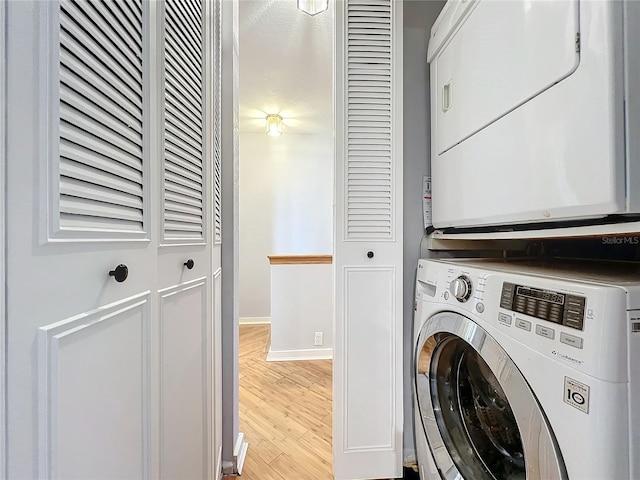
(3, 319)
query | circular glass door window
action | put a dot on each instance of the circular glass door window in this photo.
(473, 414)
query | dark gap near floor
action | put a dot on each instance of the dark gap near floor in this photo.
(410, 474)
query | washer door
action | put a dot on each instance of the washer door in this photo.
(481, 419)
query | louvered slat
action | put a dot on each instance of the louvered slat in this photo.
(100, 149)
(174, 93)
(74, 222)
(132, 8)
(94, 121)
(112, 13)
(78, 188)
(96, 208)
(184, 172)
(88, 175)
(91, 33)
(217, 120)
(191, 10)
(179, 133)
(181, 192)
(92, 85)
(181, 36)
(101, 142)
(183, 120)
(369, 173)
(185, 199)
(175, 70)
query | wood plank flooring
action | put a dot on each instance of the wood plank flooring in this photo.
(285, 413)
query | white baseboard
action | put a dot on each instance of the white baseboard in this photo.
(240, 452)
(254, 320)
(308, 354)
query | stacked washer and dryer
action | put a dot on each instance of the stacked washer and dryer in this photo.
(530, 369)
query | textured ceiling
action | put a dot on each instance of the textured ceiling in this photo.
(286, 66)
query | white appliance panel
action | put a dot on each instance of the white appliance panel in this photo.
(498, 60)
(603, 455)
(605, 364)
(632, 103)
(558, 156)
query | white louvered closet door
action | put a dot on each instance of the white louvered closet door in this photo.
(367, 438)
(79, 367)
(109, 164)
(186, 292)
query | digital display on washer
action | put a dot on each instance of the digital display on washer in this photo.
(556, 307)
(540, 295)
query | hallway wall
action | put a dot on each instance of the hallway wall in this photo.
(286, 207)
(418, 19)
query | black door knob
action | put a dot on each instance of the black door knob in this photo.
(120, 273)
(369, 254)
(189, 263)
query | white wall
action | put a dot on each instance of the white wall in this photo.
(300, 306)
(286, 207)
(418, 18)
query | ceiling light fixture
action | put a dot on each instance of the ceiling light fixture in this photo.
(274, 125)
(313, 7)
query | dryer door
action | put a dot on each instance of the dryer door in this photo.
(481, 419)
(501, 56)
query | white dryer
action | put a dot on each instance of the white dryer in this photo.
(535, 111)
(527, 370)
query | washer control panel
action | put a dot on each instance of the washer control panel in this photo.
(461, 288)
(556, 307)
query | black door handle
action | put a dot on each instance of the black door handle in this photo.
(189, 263)
(120, 273)
(369, 254)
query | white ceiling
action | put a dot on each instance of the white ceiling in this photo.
(286, 67)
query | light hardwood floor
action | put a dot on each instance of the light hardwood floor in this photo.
(285, 413)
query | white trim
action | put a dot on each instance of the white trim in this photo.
(3, 318)
(219, 464)
(50, 229)
(255, 320)
(622, 228)
(241, 457)
(306, 354)
(238, 445)
(48, 338)
(240, 452)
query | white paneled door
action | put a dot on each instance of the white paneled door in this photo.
(186, 334)
(185, 346)
(367, 439)
(110, 266)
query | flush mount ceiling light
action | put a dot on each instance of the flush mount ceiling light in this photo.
(274, 125)
(313, 7)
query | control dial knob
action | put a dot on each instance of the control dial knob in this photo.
(461, 288)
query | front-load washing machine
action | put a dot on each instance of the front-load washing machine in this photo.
(527, 369)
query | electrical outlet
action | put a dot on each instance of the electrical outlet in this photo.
(317, 339)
